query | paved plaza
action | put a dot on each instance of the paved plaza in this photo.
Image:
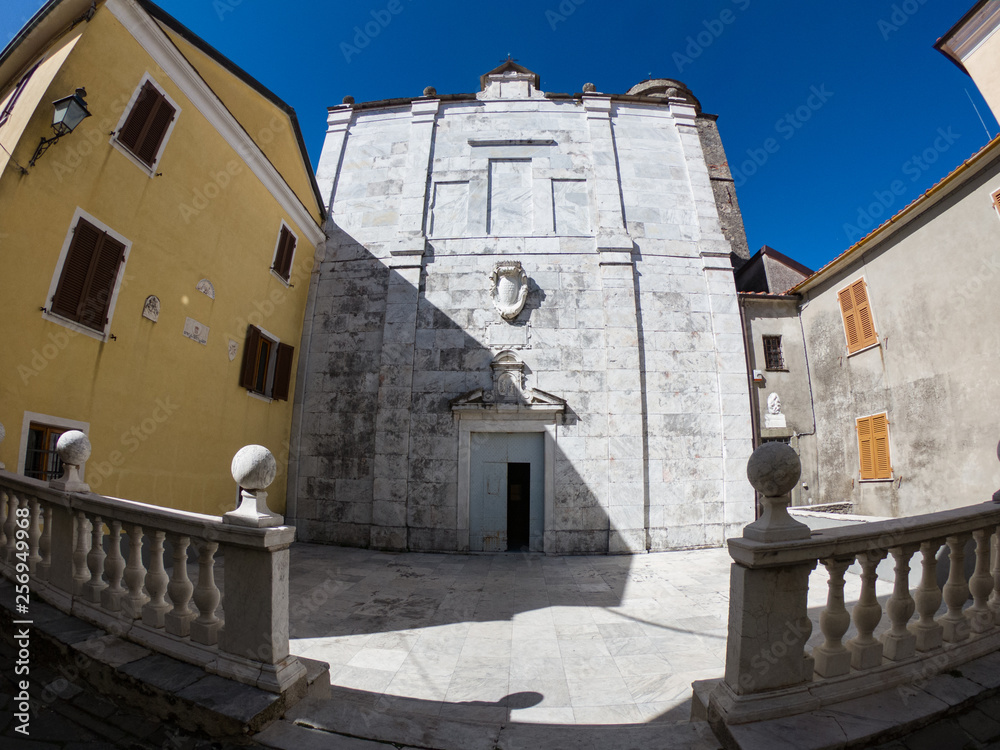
(520, 637)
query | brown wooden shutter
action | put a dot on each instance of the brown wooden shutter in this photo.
(282, 372)
(865, 448)
(996, 200)
(132, 131)
(880, 447)
(147, 123)
(283, 258)
(72, 287)
(250, 347)
(104, 273)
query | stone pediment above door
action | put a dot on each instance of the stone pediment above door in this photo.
(509, 397)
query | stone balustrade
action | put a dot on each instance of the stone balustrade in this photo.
(770, 672)
(101, 559)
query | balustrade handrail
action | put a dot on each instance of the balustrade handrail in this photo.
(856, 538)
(181, 522)
(772, 671)
(67, 543)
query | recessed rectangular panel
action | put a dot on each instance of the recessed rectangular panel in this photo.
(571, 207)
(450, 209)
(509, 210)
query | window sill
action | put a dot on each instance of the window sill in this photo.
(281, 278)
(871, 346)
(101, 336)
(259, 396)
(775, 369)
(149, 170)
(877, 481)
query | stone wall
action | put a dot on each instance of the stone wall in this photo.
(628, 349)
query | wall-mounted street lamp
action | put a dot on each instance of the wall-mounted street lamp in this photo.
(68, 112)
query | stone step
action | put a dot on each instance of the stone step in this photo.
(354, 720)
(154, 684)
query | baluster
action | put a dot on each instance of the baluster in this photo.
(10, 528)
(114, 566)
(832, 658)
(956, 592)
(3, 523)
(995, 596)
(45, 544)
(980, 615)
(899, 643)
(156, 583)
(866, 650)
(95, 561)
(34, 537)
(928, 599)
(206, 596)
(80, 549)
(135, 574)
(178, 620)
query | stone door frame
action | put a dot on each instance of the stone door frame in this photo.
(466, 427)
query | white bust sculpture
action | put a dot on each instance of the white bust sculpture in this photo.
(773, 404)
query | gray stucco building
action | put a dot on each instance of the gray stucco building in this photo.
(524, 332)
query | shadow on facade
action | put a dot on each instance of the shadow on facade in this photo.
(377, 464)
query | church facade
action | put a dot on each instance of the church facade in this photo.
(523, 332)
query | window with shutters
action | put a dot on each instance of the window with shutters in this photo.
(146, 124)
(267, 365)
(284, 252)
(85, 285)
(873, 447)
(8, 107)
(995, 196)
(856, 310)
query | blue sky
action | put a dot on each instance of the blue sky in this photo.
(822, 106)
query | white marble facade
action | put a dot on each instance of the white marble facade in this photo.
(628, 349)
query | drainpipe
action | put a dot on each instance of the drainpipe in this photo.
(751, 393)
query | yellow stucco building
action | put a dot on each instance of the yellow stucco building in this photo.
(155, 260)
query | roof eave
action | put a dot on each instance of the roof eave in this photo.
(928, 199)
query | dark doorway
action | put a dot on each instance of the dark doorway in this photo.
(518, 506)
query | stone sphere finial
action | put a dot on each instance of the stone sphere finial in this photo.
(589, 88)
(73, 448)
(430, 91)
(773, 469)
(348, 99)
(254, 467)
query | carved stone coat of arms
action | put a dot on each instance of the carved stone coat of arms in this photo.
(509, 288)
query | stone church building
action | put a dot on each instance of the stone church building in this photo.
(523, 333)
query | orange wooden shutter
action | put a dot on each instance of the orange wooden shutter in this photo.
(282, 372)
(850, 319)
(857, 312)
(865, 448)
(880, 446)
(996, 200)
(863, 311)
(249, 370)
